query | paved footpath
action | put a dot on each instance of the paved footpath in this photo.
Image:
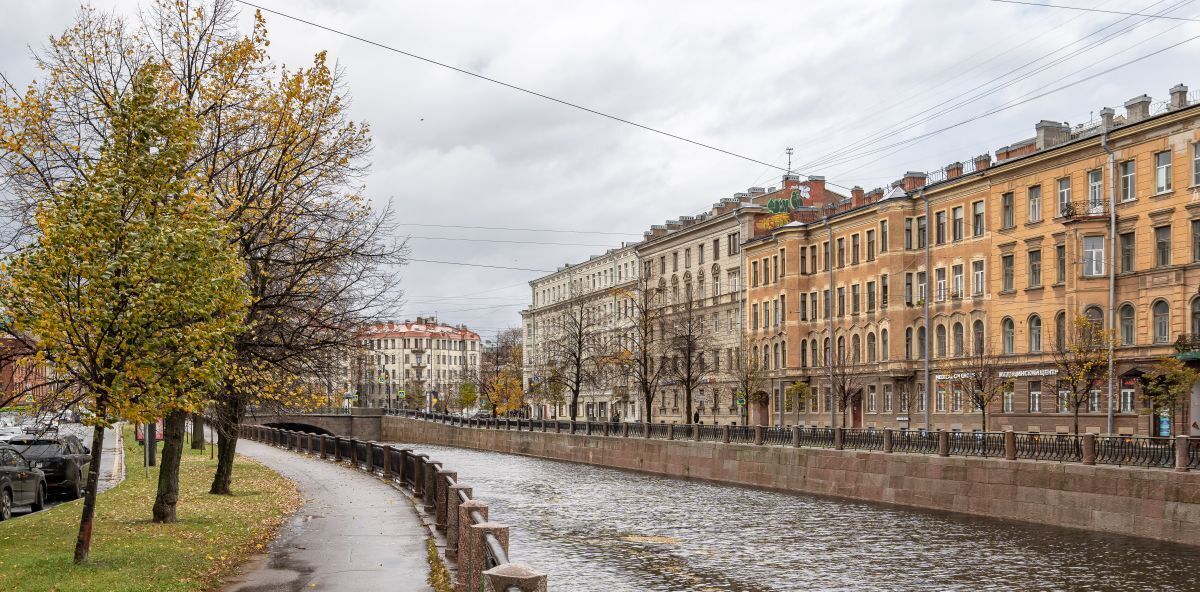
(353, 533)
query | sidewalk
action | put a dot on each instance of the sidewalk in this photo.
(353, 533)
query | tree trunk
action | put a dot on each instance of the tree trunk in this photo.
(647, 417)
(1077, 420)
(197, 431)
(83, 543)
(574, 405)
(687, 405)
(168, 474)
(229, 415)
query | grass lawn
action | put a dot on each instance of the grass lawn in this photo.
(213, 535)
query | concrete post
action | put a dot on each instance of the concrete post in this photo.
(557, 427)
(402, 470)
(478, 542)
(337, 449)
(1089, 449)
(418, 477)
(353, 452)
(453, 503)
(796, 436)
(943, 443)
(605, 424)
(624, 429)
(587, 428)
(839, 439)
(725, 434)
(443, 478)
(321, 446)
(1010, 445)
(671, 431)
(309, 445)
(387, 463)
(1182, 460)
(887, 440)
(758, 435)
(696, 432)
(430, 487)
(503, 577)
(465, 551)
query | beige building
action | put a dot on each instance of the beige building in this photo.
(416, 364)
(996, 254)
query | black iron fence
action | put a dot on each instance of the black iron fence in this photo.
(1135, 451)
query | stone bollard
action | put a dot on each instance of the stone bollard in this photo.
(444, 477)
(1089, 449)
(758, 435)
(725, 434)
(796, 436)
(605, 429)
(418, 476)
(543, 426)
(624, 429)
(353, 452)
(943, 443)
(696, 432)
(1010, 445)
(476, 535)
(587, 428)
(505, 577)
(466, 558)
(1182, 459)
(453, 503)
(431, 491)
(387, 463)
(887, 440)
(671, 431)
(557, 427)
(402, 470)
(839, 438)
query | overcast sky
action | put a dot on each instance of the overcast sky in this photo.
(749, 77)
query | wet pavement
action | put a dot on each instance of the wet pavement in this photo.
(592, 528)
(354, 532)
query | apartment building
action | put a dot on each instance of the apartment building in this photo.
(998, 255)
(416, 364)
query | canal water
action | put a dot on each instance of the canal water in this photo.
(592, 528)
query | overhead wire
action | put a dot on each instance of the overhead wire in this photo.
(1092, 9)
(431, 225)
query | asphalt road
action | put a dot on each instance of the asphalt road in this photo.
(111, 469)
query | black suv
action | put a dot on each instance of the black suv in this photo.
(20, 483)
(63, 459)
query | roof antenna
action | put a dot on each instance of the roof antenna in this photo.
(789, 153)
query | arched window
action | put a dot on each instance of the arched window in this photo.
(1008, 333)
(1196, 318)
(699, 286)
(783, 355)
(766, 357)
(803, 353)
(754, 356)
(884, 354)
(977, 333)
(1162, 322)
(1060, 330)
(856, 349)
(908, 343)
(870, 347)
(775, 360)
(940, 335)
(1095, 318)
(813, 345)
(1035, 334)
(921, 342)
(716, 275)
(841, 351)
(959, 339)
(1127, 328)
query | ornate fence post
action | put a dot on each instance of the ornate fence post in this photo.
(1089, 449)
(387, 463)
(453, 525)
(468, 560)
(758, 435)
(505, 577)
(624, 429)
(887, 440)
(670, 431)
(444, 478)
(725, 434)
(839, 438)
(943, 443)
(796, 436)
(1010, 445)
(1181, 454)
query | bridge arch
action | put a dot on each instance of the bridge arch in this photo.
(299, 427)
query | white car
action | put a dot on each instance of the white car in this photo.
(10, 432)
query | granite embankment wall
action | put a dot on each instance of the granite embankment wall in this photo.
(1155, 503)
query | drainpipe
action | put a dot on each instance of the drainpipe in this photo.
(1112, 268)
(829, 317)
(928, 294)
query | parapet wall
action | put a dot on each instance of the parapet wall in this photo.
(1155, 503)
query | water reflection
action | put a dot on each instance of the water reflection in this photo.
(601, 529)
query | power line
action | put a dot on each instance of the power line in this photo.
(515, 229)
(514, 87)
(515, 242)
(479, 265)
(1084, 9)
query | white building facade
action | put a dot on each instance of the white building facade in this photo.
(415, 364)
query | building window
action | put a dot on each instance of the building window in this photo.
(1162, 246)
(1093, 256)
(1094, 401)
(922, 234)
(908, 233)
(908, 337)
(883, 344)
(1196, 317)
(977, 220)
(977, 274)
(1035, 334)
(1035, 268)
(733, 243)
(716, 249)
(1060, 331)
(1195, 240)
(1034, 203)
(1127, 328)
(1035, 396)
(883, 236)
(754, 274)
(1007, 400)
(825, 255)
(870, 398)
(940, 227)
(1126, 172)
(871, 347)
(1127, 251)
(1009, 334)
(841, 252)
(870, 245)
(1126, 400)
(1196, 163)
(887, 398)
(957, 222)
(977, 337)
(870, 296)
(1064, 195)
(940, 274)
(940, 336)
(1162, 322)
(1007, 216)
(959, 339)
(1162, 172)
(1006, 266)
(1096, 191)
(841, 304)
(956, 283)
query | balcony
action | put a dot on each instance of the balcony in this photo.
(1082, 210)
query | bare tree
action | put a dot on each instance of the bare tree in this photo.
(980, 374)
(749, 376)
(686, 342)
(640, 351)
(498, 363)
(575, 349)
(847, 379)
(1081, 358)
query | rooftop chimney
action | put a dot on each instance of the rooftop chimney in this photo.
(1051, 133)
(1106, 118)
(954, 170)
(913, 180)
(741, 196)
(756, 191)
(982, 162)
(791, 181)
(1178, 97)
(1137, 108)
(857, 193)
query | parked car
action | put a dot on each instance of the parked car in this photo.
(9, 432)
(63, 459)
(20, 483)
